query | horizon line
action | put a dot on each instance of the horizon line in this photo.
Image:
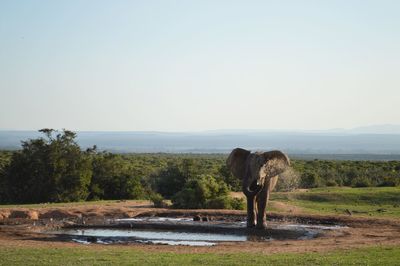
(271, 130)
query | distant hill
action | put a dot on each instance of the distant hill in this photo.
(368, 140)
(378, 129)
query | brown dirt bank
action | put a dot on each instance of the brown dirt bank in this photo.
(21, 227)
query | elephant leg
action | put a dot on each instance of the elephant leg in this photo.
(251, 212)
(262, 200)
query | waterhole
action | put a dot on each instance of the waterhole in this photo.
(184, 231)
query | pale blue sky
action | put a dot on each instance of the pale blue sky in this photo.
(199, 65)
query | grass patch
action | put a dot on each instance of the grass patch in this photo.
(376, 202)
(130, 256)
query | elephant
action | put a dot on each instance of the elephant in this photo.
(259, 174)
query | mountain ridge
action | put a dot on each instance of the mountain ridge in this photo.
(353, 141)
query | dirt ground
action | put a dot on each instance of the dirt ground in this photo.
(21, 227)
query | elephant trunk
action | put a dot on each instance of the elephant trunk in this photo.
(250, 190)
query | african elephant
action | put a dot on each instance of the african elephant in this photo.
(259, 173)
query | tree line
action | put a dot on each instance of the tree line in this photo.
(53, 168)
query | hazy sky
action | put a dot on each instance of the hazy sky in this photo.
(198, 65)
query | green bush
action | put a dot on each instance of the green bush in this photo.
(204, 192)
(221, 202)
(237, 204)
(388, 182)
(310, 180)
(331, 183)
(361, 182)
(225, 202)
(157, 199)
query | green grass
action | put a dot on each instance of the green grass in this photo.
(130, 256)
(375, 202)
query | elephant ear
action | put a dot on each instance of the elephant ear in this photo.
(236, 162)
(276, 162)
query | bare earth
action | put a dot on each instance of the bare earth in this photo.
(21, 227)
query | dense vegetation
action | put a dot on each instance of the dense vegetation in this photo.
(53, 168)
(318, 173)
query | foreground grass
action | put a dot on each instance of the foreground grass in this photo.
(129, 256)
(375, 202)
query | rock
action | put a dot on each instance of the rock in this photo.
(91, 239)
(4, 214)
(57, 214)
(32, 215)
(205, 219)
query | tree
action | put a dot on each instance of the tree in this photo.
(170, 180)
(49, 169)
(234, 183)
(4, 161)
(113, 178)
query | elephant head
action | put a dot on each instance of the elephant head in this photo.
(255, 168)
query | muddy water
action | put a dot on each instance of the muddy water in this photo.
(151, 236)
(184, 231)
(154, 219)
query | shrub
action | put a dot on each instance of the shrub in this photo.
(331, 183)
(237, 204)
(157, 200)
(388, 182)
(310, 180)
(221, 202)
(204, 192)
(361, 182)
